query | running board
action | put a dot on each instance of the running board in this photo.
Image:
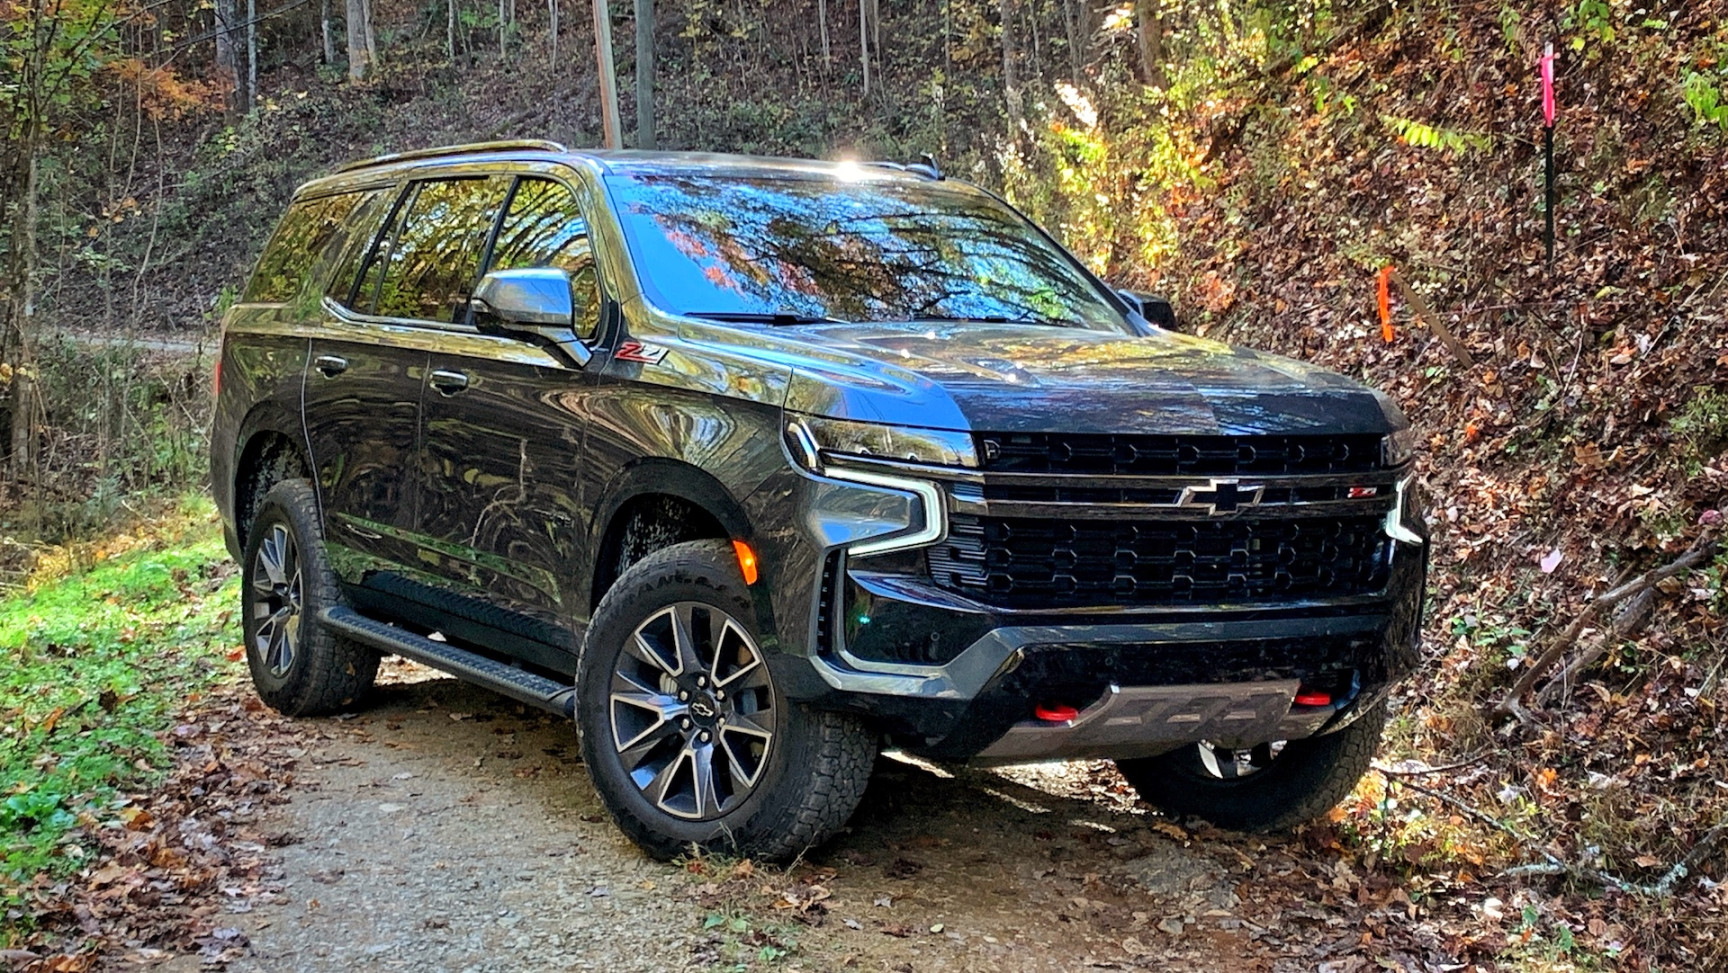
(500, 677)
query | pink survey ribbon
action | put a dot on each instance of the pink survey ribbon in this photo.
(1547, 63)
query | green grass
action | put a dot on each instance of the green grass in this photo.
(94, 664)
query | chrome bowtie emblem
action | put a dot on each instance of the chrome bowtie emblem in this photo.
(1220, 497)
(702, 709)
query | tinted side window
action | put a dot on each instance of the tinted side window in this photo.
(305, 232)
(544, 228)
(434, 254)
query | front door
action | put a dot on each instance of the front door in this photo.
(368, 372)
(501, 453)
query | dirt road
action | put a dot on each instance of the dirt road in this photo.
(446, 828)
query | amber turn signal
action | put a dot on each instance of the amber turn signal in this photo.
(746, 561)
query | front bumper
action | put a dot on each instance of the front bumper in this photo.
(1141, 686)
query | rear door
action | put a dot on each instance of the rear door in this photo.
(397, 299)
(501, 453)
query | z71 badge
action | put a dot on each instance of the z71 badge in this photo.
(640, 351)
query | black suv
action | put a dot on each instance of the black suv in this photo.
(753, 466)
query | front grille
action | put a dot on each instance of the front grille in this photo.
(1177, 455)
(1029, 563)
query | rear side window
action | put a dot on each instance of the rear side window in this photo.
(544, 228)
(426, 266)
(307, 229)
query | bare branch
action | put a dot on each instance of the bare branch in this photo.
(1702, 549)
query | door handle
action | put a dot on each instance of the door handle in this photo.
(447, 382)
(331, 365)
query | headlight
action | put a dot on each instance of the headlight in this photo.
(811, 438)
(1398, 448)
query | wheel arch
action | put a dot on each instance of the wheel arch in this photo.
(269, 448)
(677, 501)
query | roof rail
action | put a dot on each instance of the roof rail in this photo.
(926, 166)
(473, 148)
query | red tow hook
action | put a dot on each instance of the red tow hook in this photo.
(1309, 697)
(1055, 712)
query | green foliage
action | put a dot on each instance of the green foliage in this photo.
(1590, 21)
(95, 665)
(124, 425)
(1702, 92)
(1701, 427)
(1451, 141)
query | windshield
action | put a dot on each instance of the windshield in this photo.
(794, 248)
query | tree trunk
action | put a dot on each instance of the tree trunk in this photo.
(822, 20)
(1076, 56)
(645, 75)
(227, 54)
(864, 41)
(449, 28)
(251, 53)
(362, 48)
(327, 33)
(875, 26)
(371, 39)
(1010, 77)
(21, 305)
(1149, 17)
(552, 30)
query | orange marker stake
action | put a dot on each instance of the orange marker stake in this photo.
(1386, 303)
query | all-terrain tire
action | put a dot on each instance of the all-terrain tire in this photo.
(815, 769)
(325, 672)
(1301, 783)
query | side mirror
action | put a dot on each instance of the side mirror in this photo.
(1155, 308)
(532, 303)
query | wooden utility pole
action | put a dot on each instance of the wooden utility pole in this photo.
(608, 77)
(645, 138)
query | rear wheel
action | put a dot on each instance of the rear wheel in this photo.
(688, 740)
(1268, 787)
(299, 667)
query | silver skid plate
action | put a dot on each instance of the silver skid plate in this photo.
(1142, 721)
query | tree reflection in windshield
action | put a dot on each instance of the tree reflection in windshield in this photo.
(798, 247)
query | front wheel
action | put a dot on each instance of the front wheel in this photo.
(1270, 787)
(688, 740)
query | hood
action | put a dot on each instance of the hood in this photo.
(1019, 378)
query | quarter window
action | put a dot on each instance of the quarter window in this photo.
(427, 265)
(544, 228)
(306, 231)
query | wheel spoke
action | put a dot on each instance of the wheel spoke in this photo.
(290, 638)
(273, 636)
(649, 647)
(733, 642)
(660, 789)
(271, 555)
(707, 794)
(684, 637)
(748, 723)
(746, 765)
(290, 564)
(635, 750)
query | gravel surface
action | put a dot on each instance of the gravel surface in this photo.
(444, 828)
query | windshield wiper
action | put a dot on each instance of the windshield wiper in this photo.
(764, 317)
(991, 319)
